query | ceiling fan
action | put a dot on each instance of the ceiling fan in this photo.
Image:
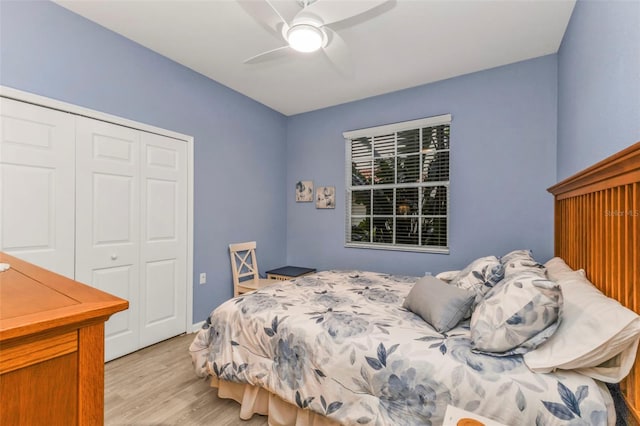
(307, 29)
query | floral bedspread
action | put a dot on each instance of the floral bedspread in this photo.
(340, 343)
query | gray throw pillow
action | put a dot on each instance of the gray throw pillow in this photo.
(441, 305)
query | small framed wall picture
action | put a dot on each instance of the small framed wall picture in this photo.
(304, 191)
(326, 197)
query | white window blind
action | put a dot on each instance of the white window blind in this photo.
(398, 186)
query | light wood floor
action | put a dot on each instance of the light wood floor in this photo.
(157, 386)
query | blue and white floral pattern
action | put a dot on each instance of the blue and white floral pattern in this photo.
(479, 276)
(340, 344)
(517, 315)
(518, 261)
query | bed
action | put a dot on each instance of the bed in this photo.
(338, 347)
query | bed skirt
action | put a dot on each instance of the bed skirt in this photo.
(256, 400)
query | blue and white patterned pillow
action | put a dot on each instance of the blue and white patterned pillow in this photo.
(447, 276)
(480, 276)
(517, 315)
(520, 261)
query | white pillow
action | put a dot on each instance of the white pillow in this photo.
(556, 267)
(597, 336)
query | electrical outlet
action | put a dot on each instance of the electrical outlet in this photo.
(203, 277)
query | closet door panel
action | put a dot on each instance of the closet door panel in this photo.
(108, 223)
(164, 238)
(37, 185)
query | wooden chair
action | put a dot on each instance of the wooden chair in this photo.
(244, 267)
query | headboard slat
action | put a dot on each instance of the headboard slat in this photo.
(597, 228)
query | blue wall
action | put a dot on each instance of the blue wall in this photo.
(505, 137)
(503, 143)
(239, 143)
(599, 83)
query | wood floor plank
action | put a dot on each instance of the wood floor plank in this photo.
(157, 386)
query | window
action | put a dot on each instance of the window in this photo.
(398, 186)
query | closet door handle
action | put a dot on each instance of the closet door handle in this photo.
(114, 256)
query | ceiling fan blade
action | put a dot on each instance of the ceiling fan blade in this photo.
(269, 55)
(264, 14)
(335, 11)
(282, 18)
(287, 9)
(338, 53)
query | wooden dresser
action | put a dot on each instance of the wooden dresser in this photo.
(51, 347)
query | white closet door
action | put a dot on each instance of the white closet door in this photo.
(163, 273)
(108, 224)
(37, 185)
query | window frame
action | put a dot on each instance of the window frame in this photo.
(385, 130)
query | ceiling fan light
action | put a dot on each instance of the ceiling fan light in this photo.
(305, 38)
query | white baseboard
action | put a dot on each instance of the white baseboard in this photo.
(197, 326)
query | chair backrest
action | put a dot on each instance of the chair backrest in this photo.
(244, 265)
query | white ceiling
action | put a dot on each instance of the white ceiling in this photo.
(402, 44)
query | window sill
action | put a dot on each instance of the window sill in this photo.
(433, 250)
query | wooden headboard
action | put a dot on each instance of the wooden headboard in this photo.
(597, 228)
